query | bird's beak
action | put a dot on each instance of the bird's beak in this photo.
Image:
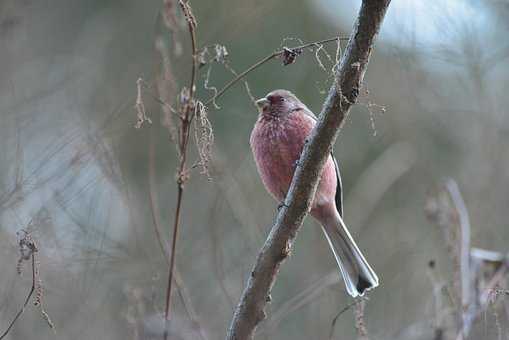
(262, 103)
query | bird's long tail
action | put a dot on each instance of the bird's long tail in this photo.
(357, 273)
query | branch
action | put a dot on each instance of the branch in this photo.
(464, 251)
(291, 52)
(342, 95)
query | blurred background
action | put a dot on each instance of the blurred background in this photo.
(82, 179)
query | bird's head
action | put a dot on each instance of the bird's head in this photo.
(279, 103)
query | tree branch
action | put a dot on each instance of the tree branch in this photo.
(342, 95)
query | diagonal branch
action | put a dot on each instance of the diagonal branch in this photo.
(342, 95)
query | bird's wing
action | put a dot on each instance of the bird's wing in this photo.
(308, 112)
(339, 188)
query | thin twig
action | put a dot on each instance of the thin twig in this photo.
(172, 256)
(464, 224)
(154, 209)
(27, 299)
(341, 312)
(304, 297)
(342, 95)
(360, 323)
(266, 59)
(246, 84)
(187, 103)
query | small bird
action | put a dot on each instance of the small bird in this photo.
(278, 137)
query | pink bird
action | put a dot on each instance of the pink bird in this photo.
(277, 141)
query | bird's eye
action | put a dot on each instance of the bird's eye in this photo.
(282, 99)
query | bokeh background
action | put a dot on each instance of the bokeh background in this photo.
(76, 172)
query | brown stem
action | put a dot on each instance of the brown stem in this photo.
(172, 256)
(189, 109)
(360, 323)
(180, 191)
(342, 95)
(342, 311)
(154, 209)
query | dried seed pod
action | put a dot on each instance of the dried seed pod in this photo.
(290, 55)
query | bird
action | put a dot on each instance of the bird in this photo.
(284, 124)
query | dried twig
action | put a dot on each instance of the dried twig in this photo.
(27, 299)
(204, 137)
(154, 209)
(342, 95)
(304, 297)
(221, 56)
(28, 249)
(360, 323)
(187, 107)
(464, 224)
(287, 54)
(336, 318)
(140, 106)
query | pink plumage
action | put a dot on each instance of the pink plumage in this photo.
(277, 144)
(277, 141)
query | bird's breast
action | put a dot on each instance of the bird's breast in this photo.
(277, 144)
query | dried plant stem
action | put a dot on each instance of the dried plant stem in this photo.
(154, 209)
(188, 109)
(267, 58)
(303, 298)
(464, 251)
(27, 299)
(172, 256)
(342, 95)
(184, 137)
(360, 323)
(341, 312)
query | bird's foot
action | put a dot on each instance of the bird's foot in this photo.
(296, 163)
(281, 205)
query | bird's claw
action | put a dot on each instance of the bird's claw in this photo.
(281, 205)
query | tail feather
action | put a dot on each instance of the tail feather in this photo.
(357, 273)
